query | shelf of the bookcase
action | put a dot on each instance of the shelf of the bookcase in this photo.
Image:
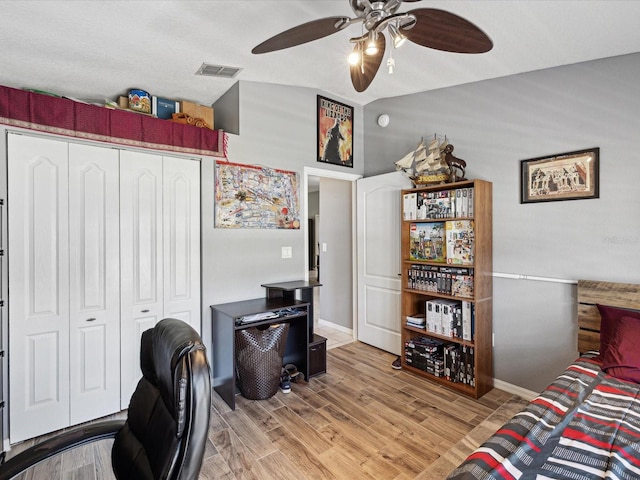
(431, 220)
(438, 295)
(437, 264)
(443, 186)
(461, 387)
(444, 338)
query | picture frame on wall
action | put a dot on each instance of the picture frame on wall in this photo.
(335, 132)
(564, 176)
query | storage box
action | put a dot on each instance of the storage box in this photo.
(198, 111)
(317, 355)
(163, 107)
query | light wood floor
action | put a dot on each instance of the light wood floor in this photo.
(361, 420)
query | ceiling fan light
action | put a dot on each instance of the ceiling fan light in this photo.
(354, 57)
(372, 47)
(397, 37)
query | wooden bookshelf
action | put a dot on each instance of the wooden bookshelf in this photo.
(414, 297)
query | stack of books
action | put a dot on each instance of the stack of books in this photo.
(417, 320)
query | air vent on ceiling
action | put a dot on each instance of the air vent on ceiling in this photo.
(220, 71)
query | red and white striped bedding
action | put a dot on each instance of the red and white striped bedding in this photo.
(585, 425)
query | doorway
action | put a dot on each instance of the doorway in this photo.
(330, 255)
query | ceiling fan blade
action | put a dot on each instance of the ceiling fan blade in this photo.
(304, 33)
(446, 31)
(363, 73)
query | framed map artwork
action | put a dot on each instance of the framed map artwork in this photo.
(251, 196)
(335, 132)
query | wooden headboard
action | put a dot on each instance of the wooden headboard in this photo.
(622, 295)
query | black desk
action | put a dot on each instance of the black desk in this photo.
(287, 290)
(225, 319)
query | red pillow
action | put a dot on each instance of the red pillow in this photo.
(622, 358)
(609, 317)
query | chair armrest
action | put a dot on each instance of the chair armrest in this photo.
(72, 438)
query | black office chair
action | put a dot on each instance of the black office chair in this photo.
(165, 432)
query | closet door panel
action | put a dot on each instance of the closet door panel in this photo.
(141, 258)
(181, 211)
(39, 291)
(94, 281)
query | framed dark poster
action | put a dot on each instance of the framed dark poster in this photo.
(335, 132)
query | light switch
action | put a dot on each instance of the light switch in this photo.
(324, 247)
(286, 252)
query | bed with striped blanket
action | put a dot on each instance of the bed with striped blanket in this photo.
(585, 425)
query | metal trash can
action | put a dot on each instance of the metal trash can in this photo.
(259, 355)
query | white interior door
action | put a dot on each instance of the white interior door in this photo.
(181, 225)
(39, 293)
(379, 283)
(141, 259)
(94, 271)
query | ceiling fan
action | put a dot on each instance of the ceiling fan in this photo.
(429, 27)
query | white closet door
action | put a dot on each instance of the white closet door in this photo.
(94, 282)
(141, 259)
(39, 292)
(181, 211)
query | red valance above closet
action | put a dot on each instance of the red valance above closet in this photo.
(63, 116)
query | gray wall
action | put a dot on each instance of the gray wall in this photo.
(313, 206)
(278, 130)
(336, 224)
(493, 125)
(226, 113)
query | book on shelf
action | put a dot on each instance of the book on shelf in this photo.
(409, 206)
(423, 206)
(464, 203)
(468, 358)
(427, 242)
(417, 320)
(164, 108)
(467, 320)
(448, 317)
(451, 361)
(459, 241)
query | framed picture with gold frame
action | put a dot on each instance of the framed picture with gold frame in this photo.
(565, 176)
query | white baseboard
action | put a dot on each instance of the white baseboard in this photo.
(516, 390)
(335, 326)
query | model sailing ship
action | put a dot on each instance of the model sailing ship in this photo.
(432, 164)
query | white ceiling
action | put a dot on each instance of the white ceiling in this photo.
(101, 49)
